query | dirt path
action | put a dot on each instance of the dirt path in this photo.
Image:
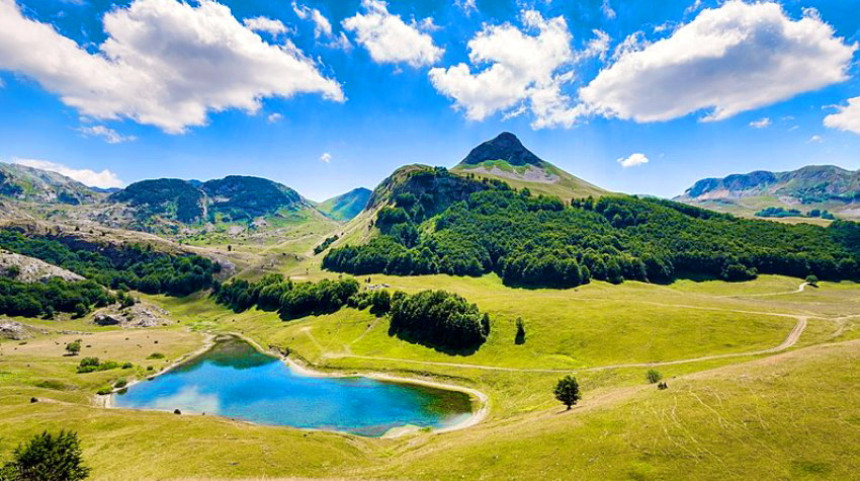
(800, 288)
(789, 341)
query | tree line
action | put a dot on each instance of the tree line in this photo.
(437, 319)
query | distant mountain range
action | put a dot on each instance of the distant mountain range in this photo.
(812, 187)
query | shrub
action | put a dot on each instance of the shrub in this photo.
(48, 457)
(104, 390)
(653, 376)
(155, 355)
(567, 391)
(812, 280)
(74, 347)
(120, 383)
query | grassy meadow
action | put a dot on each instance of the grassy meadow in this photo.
(732, 411)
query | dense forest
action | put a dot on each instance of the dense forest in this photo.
(38, 299)
(290, 299)
(539, 241)
(119, 267)
(439, 319)
(127, 267)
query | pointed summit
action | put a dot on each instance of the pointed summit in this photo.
(507, 147)
(505, 158)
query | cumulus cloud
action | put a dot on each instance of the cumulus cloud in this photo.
(760, 123)
(325, 157)
(164, 63)
(633, 160)
(104, 179)
(727, 60)
(109, 135)
(514, 67)
(389, 39)
(847, 118)
(322, 27)
(265, 24)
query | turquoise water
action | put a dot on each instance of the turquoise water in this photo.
(235, 380)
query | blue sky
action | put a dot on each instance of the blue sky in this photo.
(159, 88)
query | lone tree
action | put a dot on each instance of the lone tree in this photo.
(653, 376)
(567, 391)
(521, 332)
(49, 458)
(812, 280)
(73, 348)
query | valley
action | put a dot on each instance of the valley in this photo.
(753, 325)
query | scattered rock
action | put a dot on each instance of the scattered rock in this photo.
(140, 315)
(16, 331)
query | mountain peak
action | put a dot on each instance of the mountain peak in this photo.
(505, 146)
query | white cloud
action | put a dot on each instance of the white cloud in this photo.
(760, 123)
(265, 24)
(514, 67)
(848, 117)
(468, 6)
(389, 39)
(607, 10)
(104, 179)
(273, 118)
(694, 7)
(815, 139)
(325, 157)
(109, 135)
(164, 63)
(633, 160)
(322, 27)
(731, 59)
(596, 47)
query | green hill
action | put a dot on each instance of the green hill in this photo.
(346, 206)
(431, 221)
(506, 158)
(231, 199)
(821, 187)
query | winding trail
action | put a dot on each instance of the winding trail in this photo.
(789, 341)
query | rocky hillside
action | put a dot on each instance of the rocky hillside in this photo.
(506, 158)
(26, 184)
(29, 269)
(346, 206)
(811, 187)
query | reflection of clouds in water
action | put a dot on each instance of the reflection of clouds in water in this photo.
(188, 398)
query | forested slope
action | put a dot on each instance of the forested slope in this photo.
(482, 226)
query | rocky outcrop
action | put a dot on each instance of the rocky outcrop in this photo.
(30, 269)
(140, 315)
(17, 331)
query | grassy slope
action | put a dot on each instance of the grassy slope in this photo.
(708, 423)
(567, 186)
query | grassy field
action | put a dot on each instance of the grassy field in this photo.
(731, 412)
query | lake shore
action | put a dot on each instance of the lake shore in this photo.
(476, 416)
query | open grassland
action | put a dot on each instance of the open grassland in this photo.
(743, 401)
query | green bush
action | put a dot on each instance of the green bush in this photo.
(653, 376)
(47, 457)
(567, 391)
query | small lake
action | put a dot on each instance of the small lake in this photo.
(235, 380)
